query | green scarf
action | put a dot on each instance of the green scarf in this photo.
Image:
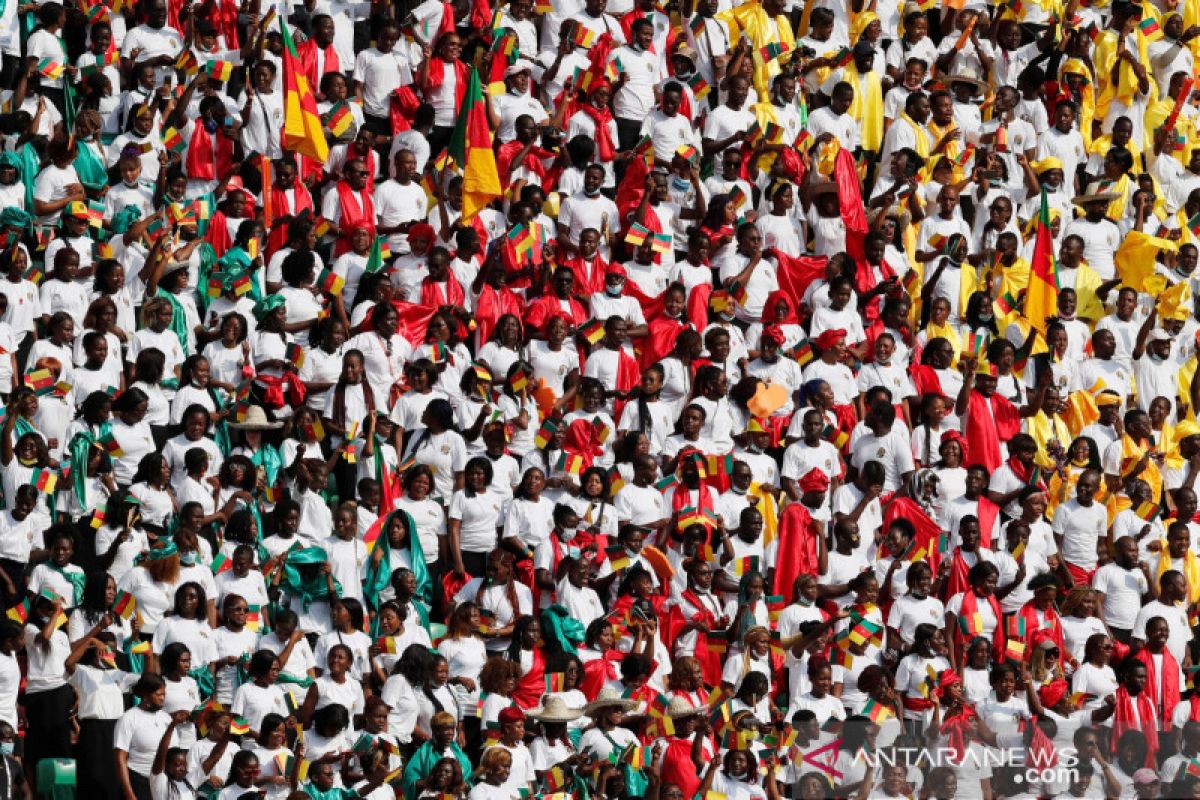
(90, 168)
(178, 319)
(307, 590)
(78, 452)
(567, 630)
(30, 165)
(77, 580)
(421, 764)
(204, 681)
(334, 793)
(208, 260)
(269, 459)
(380, 575)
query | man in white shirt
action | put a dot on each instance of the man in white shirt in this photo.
(262, 115)
(883, 443)
(834, 118)
(1124, 585)
(587, 209)
(1101, 236)
(727, 124)
(1079, 525)
(154, 42)
(667, 128)
(400, 202)
(378, 72)
(1171, 606)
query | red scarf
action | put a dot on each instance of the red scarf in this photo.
(660, 341)
(1023, 473)
(355, 213)
(368, 163)
(436, 76)
(1123, 721)
(957, 582)
(282, 208)
(986, 512)
(589, 278)
(547, 307)
(1170, 680)
(970, 605)
(218, 234)
(956, 727)
(710, 662)
(600, 671)
(797, 547)
(201, 163)
(532, 685)
(678, 767)
(1194, 707)
(926, 381)
(682, 498)
(864, 281)
(308, 61)
(990, 421)
(1052, 626)
(434, 295)
(601, 117)
(582, 439)
(493, 304)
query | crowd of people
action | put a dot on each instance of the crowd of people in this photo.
(599, 399)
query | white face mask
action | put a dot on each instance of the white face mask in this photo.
(614, 291)
(733, 488)
(569, 533)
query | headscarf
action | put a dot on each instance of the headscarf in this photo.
(268, 304)
(307, 590)
(79, 449)
(13, 217)
(123, 220)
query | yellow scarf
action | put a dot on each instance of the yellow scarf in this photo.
(867, 107)
(1191, 569)
(953, 149)
(1105, 57)
(947, 332)
(1044, 430)
(769, 510)
(761, 30)
(922, 145)
(1131, 454)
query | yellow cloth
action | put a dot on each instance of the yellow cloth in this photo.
(1104, 57)
(1175, 302)
(761, 30)
(1131, 454)
(1135, 257)
(769, 510)
(861, 21)
(947, 332)
(1089, 307)
(1014, 277)
(1187, 374)
(1087, 95)
(922, 144)
(1191, 569)
(867, 107)
(953, 150)
(1044, 430)
(1081, 411)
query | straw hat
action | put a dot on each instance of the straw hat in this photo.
(1095, 195)
(554, 709)
(608, 697)
(256, 420)
(967, 75)
(679, 708)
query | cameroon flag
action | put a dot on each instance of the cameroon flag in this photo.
(1041, 301)
(471, 148)
(301, 123)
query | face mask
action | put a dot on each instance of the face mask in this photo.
(210, 125)
(631, 553)
(1157, 359)
(187, 559)
(613, 291)
(753, 448)
(569, 533)
(592, 192)
(6, 748)
(883, 362)
(985, 318)
(736, 490)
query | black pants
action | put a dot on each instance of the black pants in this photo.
(49, 733)
(93, 759)
(629, 131)
(140, 785)
(474, 563)
(438, 139)
(15, 571)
